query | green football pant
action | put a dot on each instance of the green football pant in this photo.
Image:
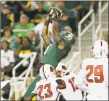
(32, 87)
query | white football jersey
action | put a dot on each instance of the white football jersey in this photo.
(71, 92)
(95, 72)
(46, 90)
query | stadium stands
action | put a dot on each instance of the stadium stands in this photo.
(22, 22)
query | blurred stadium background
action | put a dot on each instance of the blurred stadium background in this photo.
(21, 25)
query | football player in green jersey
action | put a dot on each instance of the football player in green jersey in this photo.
(57, 50)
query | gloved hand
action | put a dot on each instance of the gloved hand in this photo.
(55, 13)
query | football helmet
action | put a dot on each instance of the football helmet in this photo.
(68, 36)
(100, 49)
(47, 71)
(62, 69)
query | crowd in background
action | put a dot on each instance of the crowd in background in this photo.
(22, 23)
(30, 16)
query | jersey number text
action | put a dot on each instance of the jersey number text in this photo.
(49, 92)
(71, 81)
(97, 72)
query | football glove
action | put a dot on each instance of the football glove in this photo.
(55, 13)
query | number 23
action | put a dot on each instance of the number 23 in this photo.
(49, 92)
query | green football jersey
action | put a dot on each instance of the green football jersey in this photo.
(53, 55)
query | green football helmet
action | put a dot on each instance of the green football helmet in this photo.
(66, 35)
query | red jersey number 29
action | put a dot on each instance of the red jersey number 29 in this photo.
(98, 74)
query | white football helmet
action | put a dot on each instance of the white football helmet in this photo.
(47, 71)
(62, 68)
(100, 49)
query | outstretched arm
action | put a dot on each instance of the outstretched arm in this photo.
(45, 37)
(54, 15)
(56, 35)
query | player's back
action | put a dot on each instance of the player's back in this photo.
(71, 92)
(96, 75)
(46, 90)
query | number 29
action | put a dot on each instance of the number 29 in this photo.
(98, 74)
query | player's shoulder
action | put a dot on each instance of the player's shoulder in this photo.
(94, 60)
(88, 59)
